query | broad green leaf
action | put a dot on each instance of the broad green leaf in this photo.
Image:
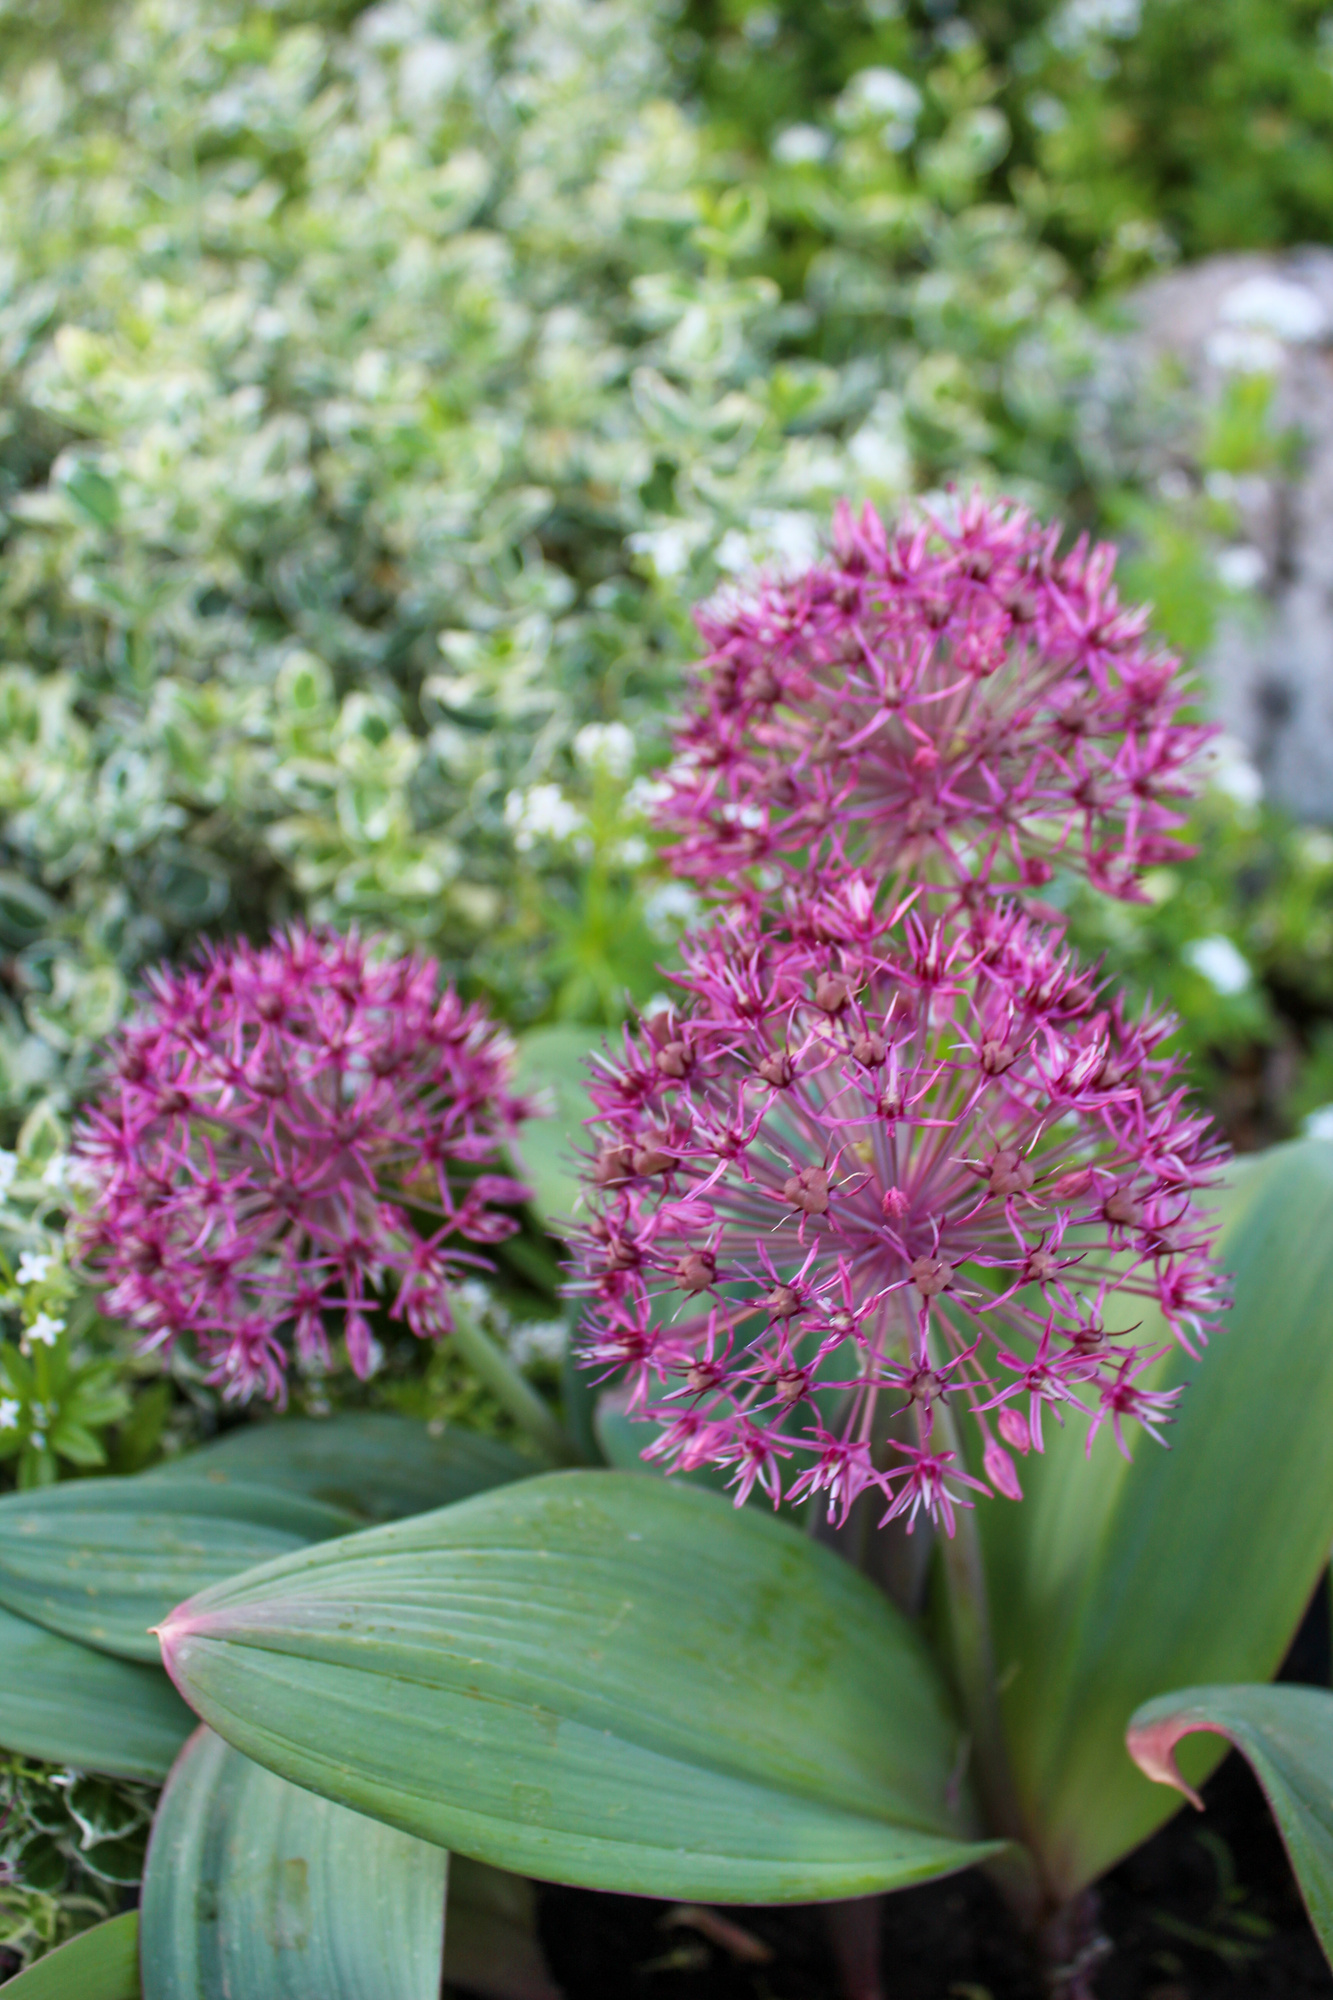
(552, 1068)
(601, 1678)
(491, 1945)
(102, 1560)
(67, 1704)
(100, 1964)
(377, 1466)
(1286, 1734)
(258, 1889)
(1112, 1581)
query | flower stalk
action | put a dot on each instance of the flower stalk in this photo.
(515, 1395)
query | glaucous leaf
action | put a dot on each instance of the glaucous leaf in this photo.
(67, 1704)
(375, 1465)
(601, 1678)
(1113, 1581)
(102, 1560)
(1286, 1735)
(98, 1964)
(254, 1887)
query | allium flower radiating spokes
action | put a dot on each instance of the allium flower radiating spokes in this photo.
(949, 705)
(293, 1135)
(875, 1167)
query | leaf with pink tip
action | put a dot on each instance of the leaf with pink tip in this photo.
(602, 1678)
(1286, 1736)
(1113, 1581)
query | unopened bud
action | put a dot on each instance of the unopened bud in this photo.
(894, 1204)
(1068, 1187)
(783, 1301)
(870, 1050)
(1013, 1428)
(777, 1070)
(999, 1468)
(652, 1160)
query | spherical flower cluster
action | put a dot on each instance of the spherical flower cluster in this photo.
(878, 1172)
(291, 1133)
(953, 706)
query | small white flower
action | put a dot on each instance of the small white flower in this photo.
(537, 1340)
(541, 812)
(609, 745)
(670, 910)
(1220, 963)
(879, 93)
(53, 1174)
(33, 1267)
(801, 146)
(9, 1413)
(1242, 568)
(46, 1329)
(1275, 305)
(9, 1166)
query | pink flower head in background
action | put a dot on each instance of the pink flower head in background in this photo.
(952, 706)
(875, 1171)
(275, 1119)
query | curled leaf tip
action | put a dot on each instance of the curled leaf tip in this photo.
(1152, 1745)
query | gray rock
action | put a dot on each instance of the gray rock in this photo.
(1270, 671)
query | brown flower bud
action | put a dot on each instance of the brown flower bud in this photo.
(870, 1050)
(777, 1070)
(783, 1302)
(1009, 1173)
(997, 1057)
(832, 992)
(696, 1271)
(652, 1160)
(1120, 1208)
(807, 1191)
(674, 1060)
(612, 1165)
(931, 1276)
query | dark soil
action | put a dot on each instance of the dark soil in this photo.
(1206, 1910)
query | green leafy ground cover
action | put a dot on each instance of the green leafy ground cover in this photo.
(381, 388)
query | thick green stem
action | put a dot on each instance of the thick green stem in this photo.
(529, 1410)
(974, 1655)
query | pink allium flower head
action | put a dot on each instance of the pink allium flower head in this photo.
(292, 1133)
(956, 706)
(873, 1169)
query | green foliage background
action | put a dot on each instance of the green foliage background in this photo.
(382, 386)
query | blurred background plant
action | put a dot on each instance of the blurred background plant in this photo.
(382, 386)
